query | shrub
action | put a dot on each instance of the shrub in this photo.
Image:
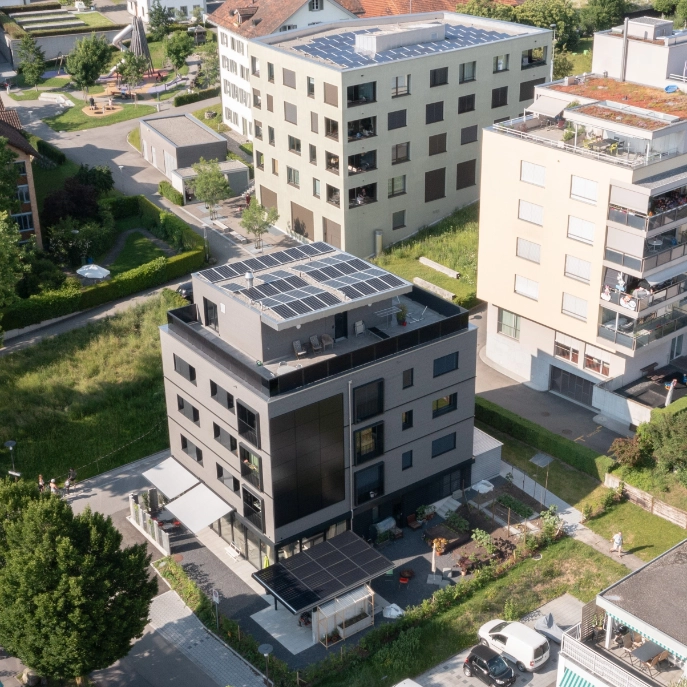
(43, 306)
(32, 7)
(484, 540)
(122, 206)
(516, 506)
(455, 522)
(48, 150)
(168, 191)
(587, 511)
(633, 452)
(247, 148)
(609, 498)
(510, 611)
(186, 98)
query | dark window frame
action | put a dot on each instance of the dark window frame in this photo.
(377, 430)
(445, 364)
(406, 460)
(379, 487)
(439, 449)
(250, 433)
(466, 174)
(188, 372)
(397, 119)
(452, 404)
(211, 313)
(438, 144)
(394, 152)
(438, 77)
(406, 419)
(193, 414)
(499, 97)
(469, 134)
(191, 449)
(434, 112)
(373, 412)
(221, 396)
(411, 372)
(230, 443)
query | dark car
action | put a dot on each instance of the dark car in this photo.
(186, 291)
(489, 666)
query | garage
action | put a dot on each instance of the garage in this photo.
(571, 385)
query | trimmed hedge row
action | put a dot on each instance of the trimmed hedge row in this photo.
(186, 98)
(122, 206)
(33, 7)
(48, 150)
(580, 457)
(78, 29)
(168, 191)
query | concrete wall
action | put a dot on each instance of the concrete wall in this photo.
(53, 46)
(487, 465)
(189, 155)
(141, 8)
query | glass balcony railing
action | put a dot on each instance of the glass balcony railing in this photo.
(636, 334)
(657, 255)
(642, 299)
(646, 223)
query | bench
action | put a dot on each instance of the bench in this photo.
(233, 552)
(235, 235)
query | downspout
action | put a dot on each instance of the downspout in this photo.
(350, 444)
(623, 63)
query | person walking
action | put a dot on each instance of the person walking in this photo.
(617, 543)
(67, 485)
(71, 476)
(53, 488)
(91, 102)
(41, 484)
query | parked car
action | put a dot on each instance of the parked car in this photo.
(516, 642)
(487, 665)
(186, 291)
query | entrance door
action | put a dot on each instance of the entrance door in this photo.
(676, 347)
(573, 386)
(340, 325)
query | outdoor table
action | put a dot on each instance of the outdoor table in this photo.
(602, 145)
(655, 244)
(388, 313)
(647, 651)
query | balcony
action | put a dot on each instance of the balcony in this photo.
(534, 57)
(636, 294)
(634, 334)
(362, 128)
(658, 251)
(362, 195)
(655, 221)
(252, 511)
(361, 94)
(363, 162)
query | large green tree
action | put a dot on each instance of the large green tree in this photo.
(489, 8)
(71, 600)
(15, 496)
(88, 60)
(159, 21)
(209, 184)
(31, 60)
(12, 265)
(178, 47)
(545, 13)
(132, 69)
(257, 219)
(9, 176)
(209, 64)
(600, 15)
(665, 6)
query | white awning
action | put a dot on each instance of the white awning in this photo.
(171, 478)
(545, 105)
(666, 274)
(198, 508)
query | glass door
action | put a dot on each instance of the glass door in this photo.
(340, 325)
(253, 542)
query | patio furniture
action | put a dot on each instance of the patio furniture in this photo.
(403, 582)
(315, 343)
(388, 313)
(653, 663)
(407, 572)
(547, 627)
(298, 349)
(417, 318)
(412, 522)
(396, 533)
(359, 327)
(327, 341)
(647, 654)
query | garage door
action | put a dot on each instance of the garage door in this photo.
(573, 386)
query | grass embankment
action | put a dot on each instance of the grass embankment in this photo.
(134, 138)
(86, 394)
(452, 243)
(137, 251)
(216, 122)
(95, 19)
(73, 119)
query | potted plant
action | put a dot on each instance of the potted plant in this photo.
(401, 315)
(420, 513)
(464, 564)
(429, 512)
(440, 545)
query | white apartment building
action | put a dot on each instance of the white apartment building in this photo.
(367, 130)
(240, 22)
(583, 236)
(141, 8)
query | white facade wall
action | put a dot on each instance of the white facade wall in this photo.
(141, 8)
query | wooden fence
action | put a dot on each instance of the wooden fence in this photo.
(648, 502)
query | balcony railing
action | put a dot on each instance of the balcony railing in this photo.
(639, 335)
(635, 303)
(631, 219)
(251, 473)
(595, 663)
(653, 258)
(253, 516)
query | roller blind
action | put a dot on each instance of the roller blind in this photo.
(575, 306)
(623, 241)
(580, 229)
(533, 174)
(528, 250)
(527, 287)
(584, 189)
(531, 212)
(578, 268)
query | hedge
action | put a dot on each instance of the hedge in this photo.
(11, 27)
(168, 191)
(48, 150)
(186, 98)
(122, 206)
(34, 7)
(576, 455)
(78, 29)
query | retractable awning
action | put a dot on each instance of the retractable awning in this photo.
(666, 274)
(198, 508)
(572, 679)
(171, 478)
(545, 105)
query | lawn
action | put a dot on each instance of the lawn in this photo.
(134, 138)
(138, 250)
(20, 96)
(215, 123)
(566, 566)
(665, 487)
(452, 243)
(95, 19)
(73, 119)
(79, 399)
(49, 180)
(582, 63)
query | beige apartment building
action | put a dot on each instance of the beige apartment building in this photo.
(583, 242)
(367, 130)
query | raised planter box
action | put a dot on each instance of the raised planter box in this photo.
(350, 630)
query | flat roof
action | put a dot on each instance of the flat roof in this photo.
(224, 165)
(483, 442)
(183, 130)
(618, 113)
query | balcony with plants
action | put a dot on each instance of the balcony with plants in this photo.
(658, 250)
(636, 295)
(663, 210)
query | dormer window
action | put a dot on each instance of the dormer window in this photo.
(315, 5)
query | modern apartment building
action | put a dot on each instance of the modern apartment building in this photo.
(582, 246)
(319, 412)
(366, 131)
(180, 8)
(238, 22)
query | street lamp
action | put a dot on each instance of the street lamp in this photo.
(266, 650)
(10, 445)
(553, 47)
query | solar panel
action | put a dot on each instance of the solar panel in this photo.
(358, 264)
(282, 258)
(267, 289)
(252, 293)
(328, 298)
(281, 285)
(211, 275)
(226, 271)
(284, 311)
(391, 280)
(233, 287)
(377, 284)
(283, 298)
(294, 253)
(318, 275)
(309, 250)
(300, 307)
(312, 290)
(345, 268)
(254, 264)
(350, 292)
(309, 267)
(322, 247)
(314, 303)
(365, 288)
(331, 272)
(268, 260)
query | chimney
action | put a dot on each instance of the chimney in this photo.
(249, 279)
(623, 63)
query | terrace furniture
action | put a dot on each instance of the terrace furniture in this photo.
(327, 341)
(388, 313)
(653, 663)
(298, 349)
(412, 522)
(359, 327)
(407, 572)
(396, 533)
(417, 318)
(648, 655)
(403, 582)
(315, 343)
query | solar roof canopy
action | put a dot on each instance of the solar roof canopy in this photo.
(304, 284)
(323, 572)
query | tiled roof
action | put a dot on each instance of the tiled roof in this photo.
(10, 117)
(16, 140)
(382, 8)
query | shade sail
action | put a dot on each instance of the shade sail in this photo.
(198, 508)
(550, 107)
(171, 478)
(666, 274)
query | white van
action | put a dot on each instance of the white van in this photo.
(517, 642)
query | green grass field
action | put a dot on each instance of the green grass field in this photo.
(137, 251)
(77, 400)
(216, 123)
(48, 180)
(452, 243)
(95, 19)
(73, 119)
(582, 63)
(134, 138)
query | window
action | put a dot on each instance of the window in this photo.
(331, 94)
(499, 97)
(369, 443)
(532, 174)
(255, 66)
(223, 437)
(184, 369)
(437, 144)
(311, 87)
(289, 78)
(251, 467)
(290, 113)
(363, 93)
(527, 88)
(466, 174)
(233, 67)
(406, 460)
(362, 195)
(584, 190)
(227, 479)
(293, 177)
(434, 112)
(467, 72)
(288, 27)
(257, 99)
(316, 188)
(270, 103)
(397, 186)
(445, 364)
(315, 5)
(596, 360)
(529, 212)
(270, 135)
(676, 347)
(252, 509)
(270, 72)
(534, 57)
(578, 269)
(244, 73)
(574, 306)
(331, 162)
(468, 134)
(406, 419)
(435, 184)
(407, 378)
(275, 167)
(312, 151)
(567, 348)
(466, 103)
(501, 63)
(189, 448)
(443, 445)
(210, 314)
(333, 196)
(258, 130)
(400, 85)
(224, 398)
(295, 145)
(508, 323)
(398, 219)
(528, 250)
(224, 39)
(580, 229)
(444, 404)
(369, 483)
(331, 128)
(314, 123)
(187, 410)
(183, 10)
(362, 162)
(23, 194)
(368, 400)
(24, 220)
(438, 77)
(396, 119)
(249, 424)
(362, 128)
(400, 153)
(527, 287)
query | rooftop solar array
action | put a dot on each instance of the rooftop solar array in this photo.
(339, 48)
(323, 572)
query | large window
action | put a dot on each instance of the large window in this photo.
(291, 113)
(437, 144)
(223, 437)
(468, 72)
(597, 360)
(580, 229)
(574, 306)
(444, 404)
(443, 445)
(313, 154)
(369, 443)
(400, 85)
(224, 398)
(294, 145)
(362, 128)
(362, 93)
(251, 467)
(293, 177)
(501, 63)
(408, 378)
(362, 162)
(527, 287)
(398, 219)
(362, 195)
(400, 153)
(578, 268)
(368, 400)
(397, 186)
(438, 77)
(331, 128)
(249, 424)
(190, 449)
(211, 319)
(533, 57)
(528, 250)
(567, 348)
(252, 509)
(468, 134)
(406, 460)
(466, 174)
(187, 410)
(311, 87)
(289, 78)
(584, 190)
(447, 363)
(184, 369)
(527, 88)
(406, 419)
(227, 479)
(369, 483)
(529, 212)
(434, 112)
(532, 174)
(466, 103)
(508, 323)
(397, 119)
(435, 184)
(499, 97)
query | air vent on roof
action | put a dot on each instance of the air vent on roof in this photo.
(373, 43)
(256, 21)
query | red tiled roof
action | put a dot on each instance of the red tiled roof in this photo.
(10, 117)
(16, 140)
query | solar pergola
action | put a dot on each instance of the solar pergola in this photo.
(323, 572)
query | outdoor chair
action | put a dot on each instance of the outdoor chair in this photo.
(418, 318)
(628, 647)
(637, 639)
(359, 327)
(327, 341)
(413, 523)
(653, 663)
(315, 343)
(403, 582)
(298, 349)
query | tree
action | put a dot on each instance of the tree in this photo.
(665, 6)
(600, 15)
(9, 176)
(100, 177)
(158, 21)
(72, 600)
(257, 219)
(75, 200)
(562, 64)
(32, 60)
(209, 185)
(489, 8)
(178, 47)
(681, 11)
(632, 452)
(12, 265)
(88, 60)
(132, 69)
(544, 13)
(14, 498)
(209, 63)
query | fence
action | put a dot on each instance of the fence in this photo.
(149, 526)
(648, 502)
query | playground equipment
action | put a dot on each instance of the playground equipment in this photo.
(139, 44)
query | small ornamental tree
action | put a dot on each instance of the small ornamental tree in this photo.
(12, 268)
(132, 69)
(209, 64)
(257, 219)
(32, 60)
(88, 60)
(562, 64)
(99, 177)
(209, 185)
(178, 47)
(544, 13)
(159, 21)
